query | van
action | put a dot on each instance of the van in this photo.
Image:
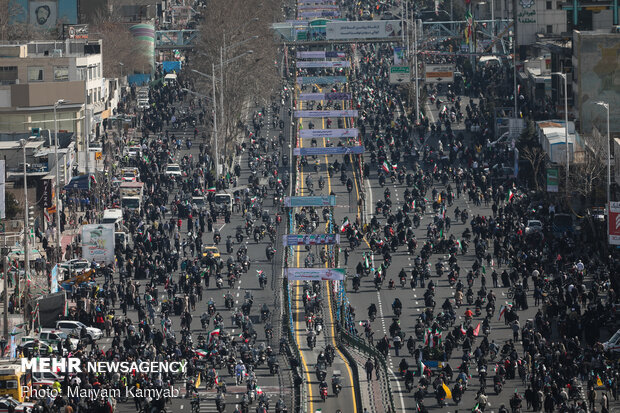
(53, 337)
(224, 201)
(113, 216)
(563, 223)
(12, 378)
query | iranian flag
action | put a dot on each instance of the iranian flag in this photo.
(211, 189)
(510, 195)
(413, 204)
(366, 262)
(463, 330)
(346, 224)
(386, 166)
(422, 367)
(458, 242)
(502, 310)
(214, 333)
(477, 330)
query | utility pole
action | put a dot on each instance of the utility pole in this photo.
(415, 62)
(26, 233)
(222, 98)
(6, 293)
(86, 127)
(217, 161)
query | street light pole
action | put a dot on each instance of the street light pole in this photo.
(217, 161)
(606, 106)
(56, 198)
(222, 98)
(563, 76)
(26, 233)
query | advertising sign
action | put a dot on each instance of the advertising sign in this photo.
(553, 181)
(323, 63)
(321, 80)
(439, 73)
(351, 30)
(45, 193)
(75, 31)
(614, 223)
(329, 133)
(333, 150)
(400, 74)
(315, 274)
(310, 239)
(347, 113)
(314, 201)
(325, 96)
(321, 54)
(54, 276)
(98, 243)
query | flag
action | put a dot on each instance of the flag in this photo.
(259, 391)
(502, 310)
(395, 166)
(484, 270)
(211, 189)
(458, 242)
(94, 180)
(197, 381)
(447, 390)
(345, 224)
(213, 333)
(422, 367)
(599, 382)
(510, 195)
(477, 330)
(463, 330)
(386, 166)
(366, 262)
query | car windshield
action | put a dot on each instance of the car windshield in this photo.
(174, 168)
(222, 199)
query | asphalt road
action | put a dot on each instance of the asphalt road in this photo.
(346, 401)
(275, 386)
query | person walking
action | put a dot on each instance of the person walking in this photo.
(369, 366)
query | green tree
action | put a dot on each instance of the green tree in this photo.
(12, 206)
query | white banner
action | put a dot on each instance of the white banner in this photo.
(320, 54)
(326, 113)
(376, 29)
(319, 14)
(329, 133)
(315, 274)
(98, 243)
(325, 96)
(323, 63)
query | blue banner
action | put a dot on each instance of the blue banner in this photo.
(316, 201)
(321, 80)
(54, 274)
(333, 150)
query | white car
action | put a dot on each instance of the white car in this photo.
(76, 264)
(133, 151)
(173, 169)
(533, 225)
(70, 326)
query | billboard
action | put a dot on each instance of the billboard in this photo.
(44, 193)
(43, 14)
(323, 63)
(75, 31)
(400, 74)
(321, 80)
(439, 73)
(98, 243)
(329, 133)
(614, 223)
(399, 56)
(352, 30)
(317, 14)
(317, 7)
(332, 150)
(314, 201)
(350, 113)
(325, 96)
(310, 239)
(315, 274)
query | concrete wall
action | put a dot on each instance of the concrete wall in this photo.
(46, 93)
(597, 77)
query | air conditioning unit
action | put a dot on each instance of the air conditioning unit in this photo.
(57, 53)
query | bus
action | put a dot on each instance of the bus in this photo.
(12, 378)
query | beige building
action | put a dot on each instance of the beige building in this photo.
(34, 75)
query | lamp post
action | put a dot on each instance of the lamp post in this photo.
(23, 142)
(563, 76)
(58, 244)
(606, 106)
(221, 82)
(122, 65)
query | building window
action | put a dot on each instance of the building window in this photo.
(549, 29)
(549, 5)
(559, 5)
(81, 73)
(61, 74)
(35, 74)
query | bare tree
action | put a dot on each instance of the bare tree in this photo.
(588, 169)
(536, 158)
(234, 28)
